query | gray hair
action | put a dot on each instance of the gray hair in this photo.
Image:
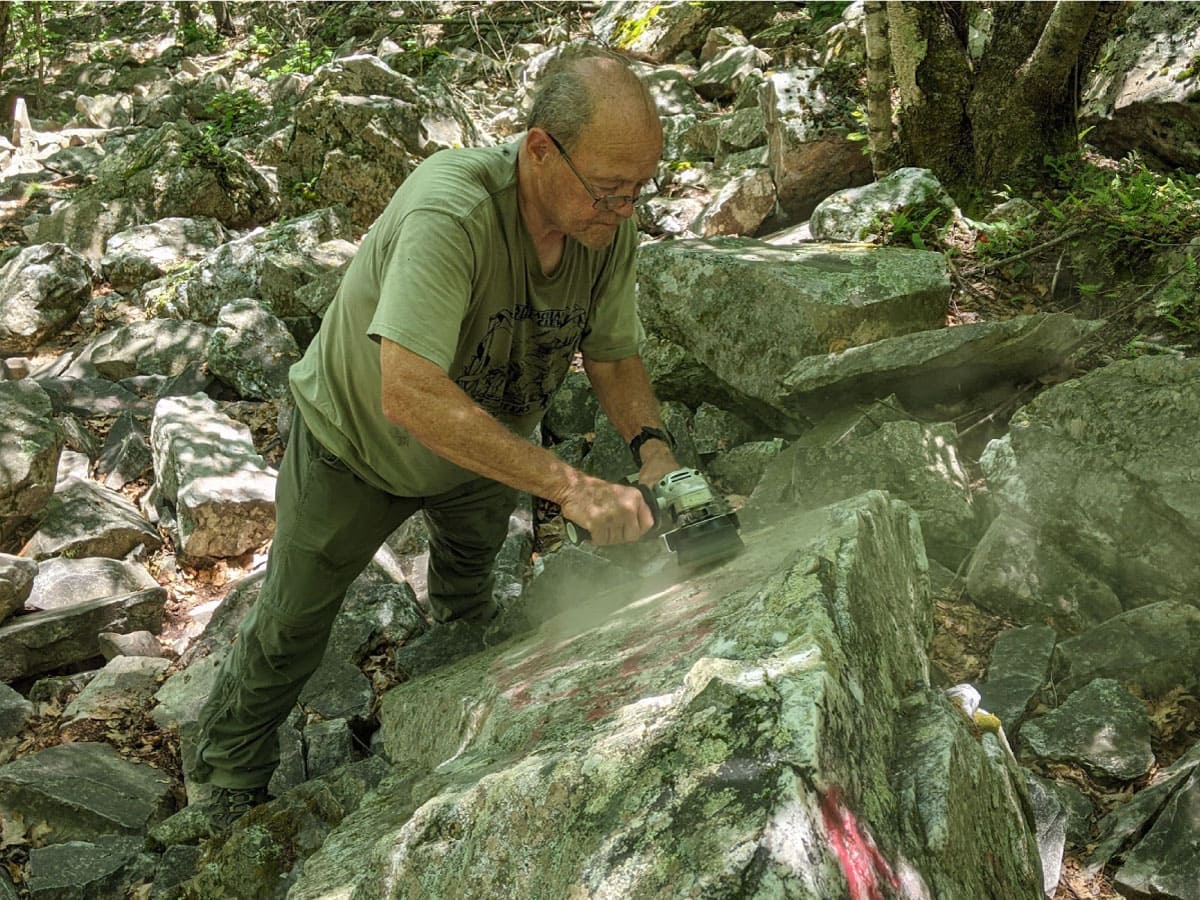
(564, 102)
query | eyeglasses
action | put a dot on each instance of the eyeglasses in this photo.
(606, 202)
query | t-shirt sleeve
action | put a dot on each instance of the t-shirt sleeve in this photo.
(614, 330)
(426, 287)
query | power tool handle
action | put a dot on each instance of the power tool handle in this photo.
(577, 534)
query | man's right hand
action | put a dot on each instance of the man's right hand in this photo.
(612, 513)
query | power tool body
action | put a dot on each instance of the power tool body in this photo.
(695, 524)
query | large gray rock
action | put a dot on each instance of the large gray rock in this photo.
(739, 207)
(1143, 94)
(145, 252)
(251, 350)
(15, 711)
(1100, 727)
(1165, 863)
(1017, 573)
(80, 790)
(689, 737)
(104, 866)
(1105, 465)
(42, 642)
(1018, 668)
(852, 214)
(810, 153)
(30, 445)
(42, 290)
(879, 448)
(84, 518)
(934, 367)
(276, 265)
(16, 581)
(62, 582)
(361, 128)
(125, 683)
(206, 465)
(1152, 648)
(727, 301)
(152, 347)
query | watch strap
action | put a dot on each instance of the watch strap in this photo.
(648, 433)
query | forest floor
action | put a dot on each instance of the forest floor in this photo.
(1040, 281)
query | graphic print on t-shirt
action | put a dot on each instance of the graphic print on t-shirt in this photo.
(522, 358)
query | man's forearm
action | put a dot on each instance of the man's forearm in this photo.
(421, 398)
(625, 395)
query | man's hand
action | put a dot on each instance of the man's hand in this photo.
(612, 513)
(657, 461)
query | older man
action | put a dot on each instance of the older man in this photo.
(454, 325)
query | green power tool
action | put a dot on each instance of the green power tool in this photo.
(696, 525)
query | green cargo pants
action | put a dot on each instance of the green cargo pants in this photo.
(329, 523)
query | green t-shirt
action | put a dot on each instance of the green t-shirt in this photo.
(450, 272)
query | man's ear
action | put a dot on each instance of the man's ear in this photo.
(539, 145)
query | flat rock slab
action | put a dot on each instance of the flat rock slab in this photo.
(63, 582)
(84, 518)
(1166, 862)
(16, 581)
(41, 642)
(1100, 727)
(81, 790)
(1019, 667)
(933, 367)
(1153, 648)
(727, 301)
(123, 683)
(100, 868)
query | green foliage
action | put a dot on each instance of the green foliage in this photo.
(201, 33)
(919, 227)
(301, 58)
(234, 113)
(206, 152)
(825, 14)
(263, 41)
(32, 39)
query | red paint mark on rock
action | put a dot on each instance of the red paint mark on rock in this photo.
(863, 865)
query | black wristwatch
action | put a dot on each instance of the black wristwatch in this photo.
(648, 434)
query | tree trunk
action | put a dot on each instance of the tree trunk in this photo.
(989, 90)
(879, 87)
(225, 24)
(5, 9)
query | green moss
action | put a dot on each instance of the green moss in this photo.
(631, 29)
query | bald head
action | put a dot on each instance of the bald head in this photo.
(590, 87)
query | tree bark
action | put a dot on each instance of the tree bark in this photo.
(989, 90)
(879, 81)
(5, 9)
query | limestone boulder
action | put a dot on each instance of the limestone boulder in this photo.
(361, 128)
(1104, 464)
(1143, 95)
(17, 575)
(689, 736)
(275, 265)
(809, 151)
(251, 350)
(145, 252)
(30, 446)
(857, 214)
(62, 582)
(206, 466)
(726, 301)
(42, 290)
(83, 518)
(152, 347)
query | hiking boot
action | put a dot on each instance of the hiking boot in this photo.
(207, 819)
